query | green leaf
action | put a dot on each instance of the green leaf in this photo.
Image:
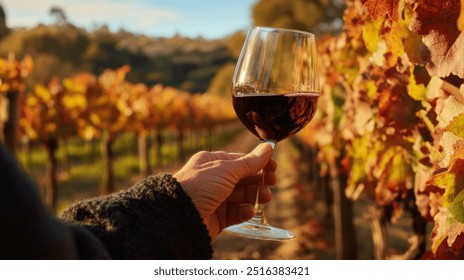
(455, 183)
(456, 207)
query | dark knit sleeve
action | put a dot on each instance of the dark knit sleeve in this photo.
(155, 219)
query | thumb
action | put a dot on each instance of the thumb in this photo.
(253, 162)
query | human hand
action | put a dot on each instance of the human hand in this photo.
(223, 185)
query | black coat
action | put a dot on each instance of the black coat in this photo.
(155, 219)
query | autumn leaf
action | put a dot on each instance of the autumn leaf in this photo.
(364, 154)
(456, 207)
(460, 22)
(415, 90)
(456, 125)
(450, 109)
(447, 228)
(398, 33)
(378, 8)
(401, 40)
(371, 34)
(398, 109)
(394, 174)
(449, 220)
(442, 41)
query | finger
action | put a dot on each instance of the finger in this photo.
(265, 195)
(205, 156)
(248, 195)
(271, 165)
(238, 213)
(251, 163)
(222, 155)
(269, 179)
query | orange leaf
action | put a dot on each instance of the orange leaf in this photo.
(378, 8)
(443, 42)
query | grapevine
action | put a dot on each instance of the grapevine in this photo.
(391, 114)
(12, 74)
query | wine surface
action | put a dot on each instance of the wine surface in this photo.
(275, 116)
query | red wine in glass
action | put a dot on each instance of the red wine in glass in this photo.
(275, 116)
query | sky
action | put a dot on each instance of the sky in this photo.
(211, 19)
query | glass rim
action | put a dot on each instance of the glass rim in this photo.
(269, 29)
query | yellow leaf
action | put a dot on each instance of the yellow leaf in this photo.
(371, 34)
(417, 92)
(74, 101)
(42, 92)
(31, 101)
(88, 132)
(94, 118)
(460, 22)
(4, 87)
(371, 89)
(399, 31)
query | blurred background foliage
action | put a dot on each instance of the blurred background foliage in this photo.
(192, 64)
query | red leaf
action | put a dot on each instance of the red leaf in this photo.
(397, 109)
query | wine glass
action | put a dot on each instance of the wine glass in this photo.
(274, 93)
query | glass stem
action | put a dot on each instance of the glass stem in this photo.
(260, 218)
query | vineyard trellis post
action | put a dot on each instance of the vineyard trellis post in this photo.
(108, 158)
(345, 235)
(10, 127)
(51, 146)
(144, 162)
(157, 146)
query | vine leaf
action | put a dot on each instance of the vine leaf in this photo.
(436, 21)
(378, 8)
(449, 218)
(398, 110)
(415, 90)
(456, 207)
(446, 228)
(371, 34)
(456, 125)
(460, 22)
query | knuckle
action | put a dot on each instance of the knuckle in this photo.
(201, 154)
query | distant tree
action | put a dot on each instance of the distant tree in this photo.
(59, 15)
(60, 48)
(3, 27)
(63, 50)
(221, 83)
(316, 16)
(103, 52)
(234, 43)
